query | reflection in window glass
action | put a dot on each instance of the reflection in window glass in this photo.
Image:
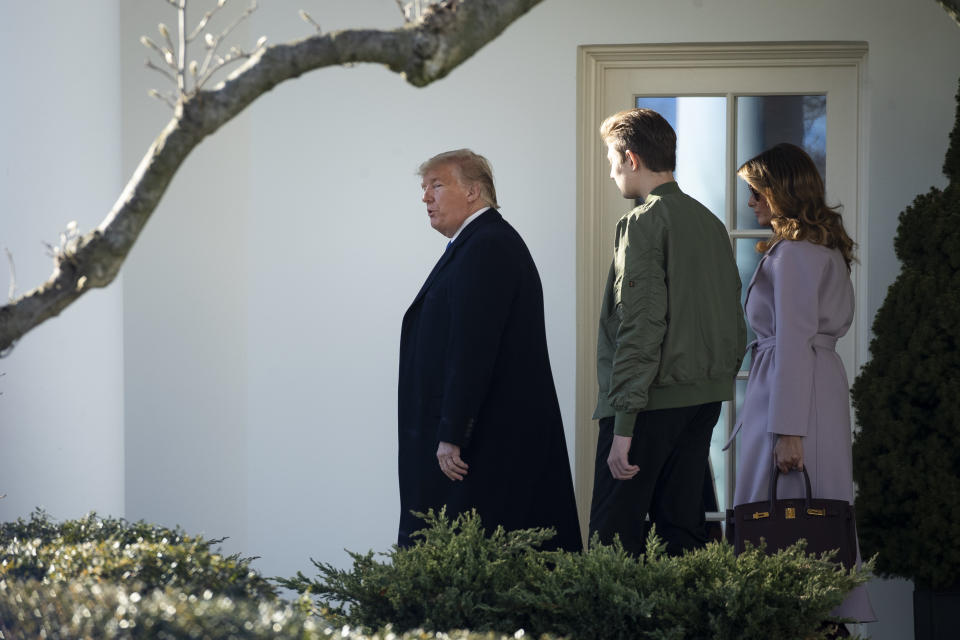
(747, 260)
(718, 461)
(763, 121)
(665, 106)
(700, 124)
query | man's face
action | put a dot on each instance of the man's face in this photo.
(621, 172)
(449, 203)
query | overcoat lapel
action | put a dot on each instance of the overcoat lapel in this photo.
(746, 299)
(487, 217)
(756, 272)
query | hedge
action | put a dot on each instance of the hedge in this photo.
(456, 576)
(112, 579)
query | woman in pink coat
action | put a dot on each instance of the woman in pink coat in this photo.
(796, 411)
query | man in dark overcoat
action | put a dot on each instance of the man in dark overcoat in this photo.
(479, 421)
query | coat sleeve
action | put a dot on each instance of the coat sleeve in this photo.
(796, 276)
(642, 306)
(481, 300)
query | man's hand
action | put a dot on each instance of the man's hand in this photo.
(448, 455)
(620, 467)
(788, 453)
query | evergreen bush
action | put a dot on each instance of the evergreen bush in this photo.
(86, 609)
(455, 576)
(907, 399)
(111, 579)
(113, 550)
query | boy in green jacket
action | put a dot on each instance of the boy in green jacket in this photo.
(670, 343)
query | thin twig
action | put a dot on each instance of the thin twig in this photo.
(206, 70)
(11, 292)
(308, 18)
(243, 16)
(182, 53)
(204, 20)
(200, 26)
(162, 28)
(220, 62)
(172, 103)
(166, 73)
(211, 51)
(165, 54)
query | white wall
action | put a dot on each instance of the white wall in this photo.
(262, 305)
(61, 412)
(185, 315)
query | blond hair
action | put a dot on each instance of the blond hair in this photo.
(472, 168)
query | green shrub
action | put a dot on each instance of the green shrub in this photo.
(89, 609)
(907, 450)
(709, 593)
(110, 579)
(116, 551)
(455, 576)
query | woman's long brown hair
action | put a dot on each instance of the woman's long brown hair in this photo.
(789, 181)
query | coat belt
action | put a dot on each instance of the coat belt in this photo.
(820, 341)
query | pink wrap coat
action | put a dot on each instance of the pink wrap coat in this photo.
(799, 302)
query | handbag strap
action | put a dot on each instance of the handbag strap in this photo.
(775, 476)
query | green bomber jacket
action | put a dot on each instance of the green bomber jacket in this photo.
(672, 331)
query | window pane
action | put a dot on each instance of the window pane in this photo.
(747, 260)
(718, 460)
(700, 124)
(763, 121)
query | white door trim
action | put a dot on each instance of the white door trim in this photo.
(594, 64)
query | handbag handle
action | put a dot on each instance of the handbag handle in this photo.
(773, 488)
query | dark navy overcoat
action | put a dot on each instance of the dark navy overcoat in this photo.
(474, 371)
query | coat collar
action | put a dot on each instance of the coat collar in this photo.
(664, 189)
(489, 216)
(766, 254)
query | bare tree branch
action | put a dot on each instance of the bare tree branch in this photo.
(422, 52)
(952, 7)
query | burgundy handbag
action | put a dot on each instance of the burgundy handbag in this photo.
(825, 524)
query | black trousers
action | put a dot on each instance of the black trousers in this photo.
(671, 447)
